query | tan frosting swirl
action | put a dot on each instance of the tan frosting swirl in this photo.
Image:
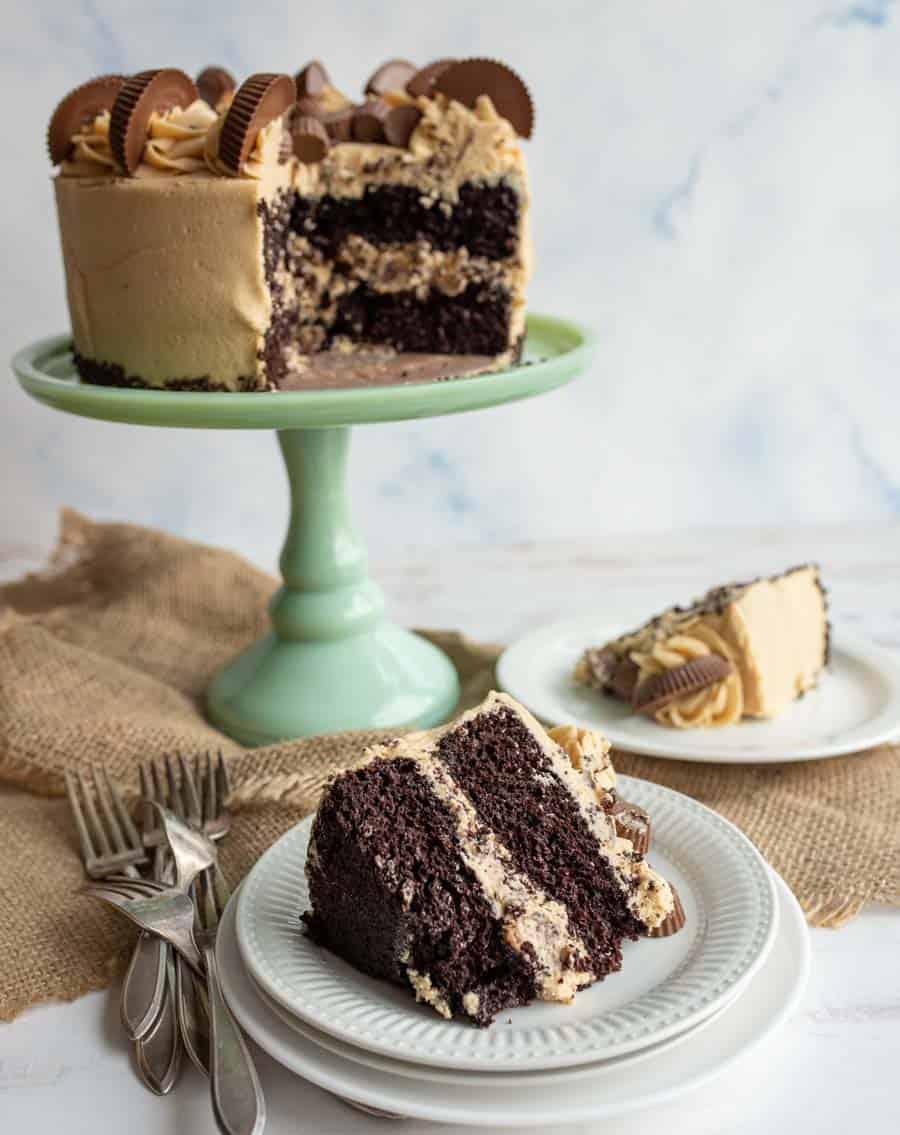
(175, 145)
(264, 162)
(719, 704)
(588, 751)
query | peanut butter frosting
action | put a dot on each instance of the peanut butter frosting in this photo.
(722, 703)
(176, 145)
(181, 184)
(773, 632)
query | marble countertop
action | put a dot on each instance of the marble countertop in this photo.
(833, 1067)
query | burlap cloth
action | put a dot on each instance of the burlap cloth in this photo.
(104, 658)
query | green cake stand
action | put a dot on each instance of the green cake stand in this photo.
(331, 661)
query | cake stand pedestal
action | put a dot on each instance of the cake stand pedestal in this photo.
(332, 660)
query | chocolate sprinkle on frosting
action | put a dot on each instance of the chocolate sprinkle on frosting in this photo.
(259, 101)
(390, 76)
(469, 78)
(78, 108)
(214, 84)
(138, 98)
(659, 689)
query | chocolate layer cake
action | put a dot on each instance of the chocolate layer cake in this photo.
(282, 236)
(742, 650)
(479, 864)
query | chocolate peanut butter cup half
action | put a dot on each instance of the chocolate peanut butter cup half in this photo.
(215, 84)
(77, 109)
(311, 80)
(400, 123)
(631, 823)
(658, 690)
(311, 141)
(422, 83)
(673, 922)
(368, 121)
(259, 100)
(139, 97)
(390, 76)
(466, 80)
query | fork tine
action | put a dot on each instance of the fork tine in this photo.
(176, 803)
(209, 790)
(189, 792)
(93, 820)
(222, 785)
(124, 816)
(159, 788)
(148, 816)
(102, 785)
(84, 836)
(197, 774)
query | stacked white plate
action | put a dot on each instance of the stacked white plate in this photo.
(680, 1010)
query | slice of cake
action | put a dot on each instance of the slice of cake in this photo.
(743, 650)
(479, 865)
(281, 235)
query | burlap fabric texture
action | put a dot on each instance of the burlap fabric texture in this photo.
(104, 658)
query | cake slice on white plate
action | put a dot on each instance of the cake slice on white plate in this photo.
(742, 650)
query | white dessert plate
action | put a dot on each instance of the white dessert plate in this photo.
(613, 1088)
(451, 1076)
(665, 985)
(855, 706)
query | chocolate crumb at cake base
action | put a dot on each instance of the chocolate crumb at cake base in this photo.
(477, 865)
(246, 234)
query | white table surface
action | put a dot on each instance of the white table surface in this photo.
(833, 1068)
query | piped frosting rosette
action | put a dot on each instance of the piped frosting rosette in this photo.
(718, 703)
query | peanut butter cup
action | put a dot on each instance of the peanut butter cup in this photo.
(214, 85)
(390, 76)
(400, 123)
(422, 83)
(673, 922)
(469, 78)
(260, 100)
(368, 121)
(311, 80)
(311, 141)
(659, 689)
(78, 108)
(631, 823)
(139, 97)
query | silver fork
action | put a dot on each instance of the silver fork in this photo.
(191, 1001)
(237, 1099)
(111, 844)
(168, 913)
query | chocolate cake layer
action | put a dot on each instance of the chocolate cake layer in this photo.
(476, 322)
(485, 219)
(392, 894)
(511, 782)
(111, 374)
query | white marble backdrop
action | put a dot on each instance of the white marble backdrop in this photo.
(717, 191)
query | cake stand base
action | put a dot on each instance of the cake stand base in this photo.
(332, 661)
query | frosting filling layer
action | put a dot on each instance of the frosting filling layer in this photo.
(561, 886)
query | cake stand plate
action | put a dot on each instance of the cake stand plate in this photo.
(331, 660)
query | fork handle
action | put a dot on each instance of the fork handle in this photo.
(144, 988)
(237, 1098)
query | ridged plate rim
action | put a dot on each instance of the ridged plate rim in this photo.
(536, 670)
(729, 890)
